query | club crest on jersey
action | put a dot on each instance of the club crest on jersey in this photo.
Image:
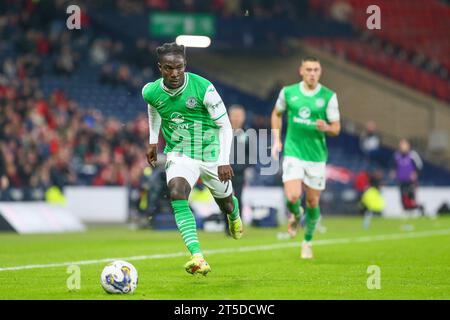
(320, 103)
(304, 113)
(191, 102)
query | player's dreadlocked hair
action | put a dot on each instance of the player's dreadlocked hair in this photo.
(170, 48)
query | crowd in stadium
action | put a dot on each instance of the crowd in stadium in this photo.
(51, 140)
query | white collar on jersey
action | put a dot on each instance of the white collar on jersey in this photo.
(174, 92)
(309, 93)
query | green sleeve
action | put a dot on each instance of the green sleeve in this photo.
(146, 92)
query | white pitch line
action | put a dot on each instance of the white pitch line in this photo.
(382, 237)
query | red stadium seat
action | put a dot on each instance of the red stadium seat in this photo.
(410, 24)
(442, 89)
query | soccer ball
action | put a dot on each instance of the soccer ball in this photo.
(119, 277)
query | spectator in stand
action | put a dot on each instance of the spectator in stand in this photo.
(99, 53)
(369, 144)
(66, 61)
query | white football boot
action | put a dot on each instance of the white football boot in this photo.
(307, 252)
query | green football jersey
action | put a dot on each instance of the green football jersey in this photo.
(303, 140)
(187, 118)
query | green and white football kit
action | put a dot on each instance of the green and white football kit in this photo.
(198, 136)
(305, 149)
(196, 128)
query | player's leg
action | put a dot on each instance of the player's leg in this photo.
(223, 195)
(181, 176)
(237, 190)
(404, 194)
(414, 205)
(179, 190)
(312, 216)
(314, 184)
(293, 173)
(293, 191)
(230, 206)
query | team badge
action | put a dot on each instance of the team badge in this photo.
(320, 103)
(191, 102)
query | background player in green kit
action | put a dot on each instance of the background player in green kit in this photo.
(198, 136)
(312, 113)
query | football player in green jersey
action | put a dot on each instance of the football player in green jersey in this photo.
(198, 135)
(312, 113)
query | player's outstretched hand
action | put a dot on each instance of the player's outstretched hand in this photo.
(152, 155)
(225, 173)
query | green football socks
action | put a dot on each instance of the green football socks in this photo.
(235, 213)
(294, 207)
(186, 225)
(311, 219)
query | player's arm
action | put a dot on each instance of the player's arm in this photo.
(217, 111)
(154, 124)
(332, 129)
(332, 126)
(276, 123)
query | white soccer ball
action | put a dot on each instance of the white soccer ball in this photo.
(119, 277)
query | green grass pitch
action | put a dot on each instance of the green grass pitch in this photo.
(413, 257)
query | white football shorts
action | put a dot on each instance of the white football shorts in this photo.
(313, 174)
(180, 165)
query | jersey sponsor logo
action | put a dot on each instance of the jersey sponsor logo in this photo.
(191, 102)
(307, 122)
(304, 113)
(177, 120)
(294, 98)
(177, 117)
(320, 103)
